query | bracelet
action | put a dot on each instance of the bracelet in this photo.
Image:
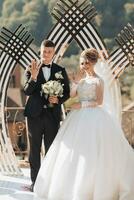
(84, 104)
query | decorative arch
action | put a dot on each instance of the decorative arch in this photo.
(74, 22)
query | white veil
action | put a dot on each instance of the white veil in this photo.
(112, 95)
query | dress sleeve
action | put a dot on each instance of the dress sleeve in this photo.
(100, 91)
(73, 90)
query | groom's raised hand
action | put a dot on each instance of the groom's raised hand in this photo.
(34, 69)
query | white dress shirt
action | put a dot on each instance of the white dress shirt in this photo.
(46, 72)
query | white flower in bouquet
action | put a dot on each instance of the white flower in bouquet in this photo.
(53, 88)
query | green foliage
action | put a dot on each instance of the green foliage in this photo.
(32, 14)
(35, 15)
(129, 12)
(113, 18)
(70, 63)
(127, 86)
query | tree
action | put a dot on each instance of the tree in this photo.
(129, 12)
(32, 14)
(113, 18)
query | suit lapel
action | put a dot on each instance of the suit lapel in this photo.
(52, 73)
(41, 76)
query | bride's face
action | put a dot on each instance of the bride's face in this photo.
(85, 64)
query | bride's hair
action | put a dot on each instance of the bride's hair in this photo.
(91, 55)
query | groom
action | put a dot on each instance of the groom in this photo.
(43, 120)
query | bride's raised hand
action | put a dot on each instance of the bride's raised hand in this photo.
(79, 75)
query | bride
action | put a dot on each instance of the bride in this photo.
(90, 159)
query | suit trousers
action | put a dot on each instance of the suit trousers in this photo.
(45, 126)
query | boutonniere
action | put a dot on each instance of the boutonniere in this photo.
(58, 75)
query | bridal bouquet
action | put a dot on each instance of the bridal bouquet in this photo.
(53, 88)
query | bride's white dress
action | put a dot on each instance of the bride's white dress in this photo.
(90, 159)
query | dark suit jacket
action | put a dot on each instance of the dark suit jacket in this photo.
(36, 99)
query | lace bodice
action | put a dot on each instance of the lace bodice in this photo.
(87, 89)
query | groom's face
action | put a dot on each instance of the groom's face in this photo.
(47, 54)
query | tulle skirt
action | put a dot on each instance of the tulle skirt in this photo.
(90, 159)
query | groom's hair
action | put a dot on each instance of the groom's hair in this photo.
(47, 43)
